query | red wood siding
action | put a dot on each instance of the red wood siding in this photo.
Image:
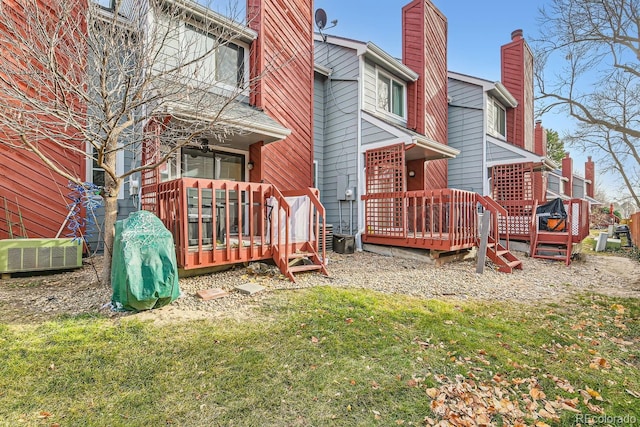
(284, 53)
(424, 49)
(517, 77)
(436, 174)
(567, 172)
(590, 175)
(540, 140)
(25, 181)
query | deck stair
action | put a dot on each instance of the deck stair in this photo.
(302, 261)
(503, 258)
(498, 253)
(553, 245)
(297, 257)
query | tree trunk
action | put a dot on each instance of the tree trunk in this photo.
(110, 217)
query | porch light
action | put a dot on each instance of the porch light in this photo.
(412, 174)
(250, 165)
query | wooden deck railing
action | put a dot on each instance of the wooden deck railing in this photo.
(578, 219)
(217, 222)
(499, 219)
(444, 219)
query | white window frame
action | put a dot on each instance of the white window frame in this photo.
(119, 167)
(184, 41)
(392, 80)
(494, 106)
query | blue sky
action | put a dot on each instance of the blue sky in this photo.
(476, 30)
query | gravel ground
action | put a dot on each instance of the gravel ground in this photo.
(41, 297)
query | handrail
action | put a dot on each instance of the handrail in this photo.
(282, 258)
(497, 210)
(314, 224)
(533, 229)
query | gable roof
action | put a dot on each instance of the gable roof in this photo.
(495, 89)
(374, 53)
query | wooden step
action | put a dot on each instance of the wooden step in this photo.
(510, 266)
(301, 255)
(305, 267)
(554, 257)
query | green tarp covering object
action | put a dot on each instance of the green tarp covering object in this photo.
(144, 272)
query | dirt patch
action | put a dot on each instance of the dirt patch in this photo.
(37, 298)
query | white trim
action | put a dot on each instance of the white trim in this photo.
(392, 79)
(525, 156)
(119, 167)
(373, 52)
(496, 89)
(401, 136)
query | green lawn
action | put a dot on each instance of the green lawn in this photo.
(332, 357)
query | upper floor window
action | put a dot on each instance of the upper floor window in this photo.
(204, 55)
(391, 95)
(107, 4)
(496, 118)
(214, 57)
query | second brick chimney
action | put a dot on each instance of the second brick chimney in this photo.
(567, 172)
(540, 147)
(590, 175)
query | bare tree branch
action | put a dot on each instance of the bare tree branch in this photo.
(589, 68)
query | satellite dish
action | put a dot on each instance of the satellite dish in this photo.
(321, 18)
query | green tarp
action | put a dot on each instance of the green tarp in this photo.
(144, 272)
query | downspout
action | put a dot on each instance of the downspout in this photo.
(360, 171)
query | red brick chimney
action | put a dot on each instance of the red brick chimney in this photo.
(567, 172)
(424, 50)
(517, 77)
(540, 139)
(590, 175)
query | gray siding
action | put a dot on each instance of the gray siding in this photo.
(466, 133)
(578, 188)
(372, 134)
(126, 205)
(553, 183)
(339, 131)
(496, 153)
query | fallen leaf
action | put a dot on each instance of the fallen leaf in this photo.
(595, 408)
(541, 424)
(633, 393)
(412, 383)
(349, 320)
(593, 393)
(618, 308)
(314, 340)
(432, 392)
(352, 382)
(44, 414)
(536, 393)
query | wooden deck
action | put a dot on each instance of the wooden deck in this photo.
(444, 220)
(217, 222)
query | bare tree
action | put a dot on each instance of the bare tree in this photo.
(597, 81)
(87, 80)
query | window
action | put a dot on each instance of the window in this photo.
(107, 4)
(391, 95)
(496, 118)
(215, 58)
(212, 165)
(96, 175)
(230, 64)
